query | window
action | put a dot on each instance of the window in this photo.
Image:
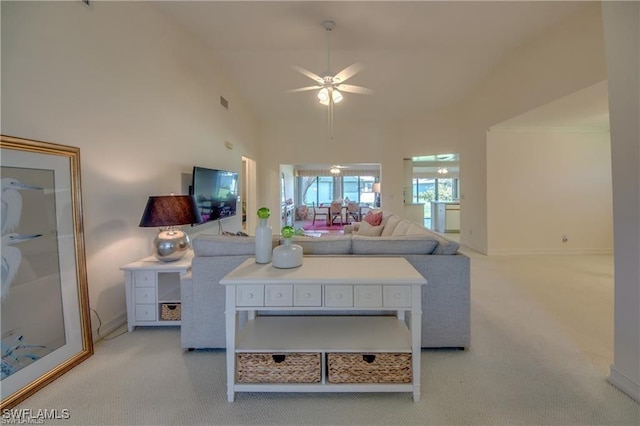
(324, 189)
(358, 188)
(427, 190)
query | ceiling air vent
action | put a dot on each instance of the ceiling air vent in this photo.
(224, 102)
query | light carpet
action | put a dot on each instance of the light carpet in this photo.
(540, 351)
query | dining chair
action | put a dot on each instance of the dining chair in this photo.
(353, 211)
(318, 212)
(336, 211)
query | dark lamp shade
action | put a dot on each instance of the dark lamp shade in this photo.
(170, 210)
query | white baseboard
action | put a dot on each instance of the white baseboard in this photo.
(108, 327)
(624, 383)
(508, 252)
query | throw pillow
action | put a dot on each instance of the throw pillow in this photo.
(374, 219)
(368, 230)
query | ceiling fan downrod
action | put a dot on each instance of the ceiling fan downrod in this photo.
(329, 26)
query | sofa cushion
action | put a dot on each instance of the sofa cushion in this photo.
(407, 244)
(369, 230)
(326, 244)
(401, 228)
(224, 245)
(415, 229)
(390, 225)
(445, 246)
(374, 219)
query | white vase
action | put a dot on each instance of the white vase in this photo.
(287, 255)
(263, 242)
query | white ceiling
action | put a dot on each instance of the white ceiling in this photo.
(418, 56)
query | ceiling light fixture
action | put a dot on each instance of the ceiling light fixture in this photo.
(335, 170)
(323, 96)
(331, 86)
(443, 171)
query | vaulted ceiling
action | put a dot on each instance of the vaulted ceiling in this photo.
(418, 56)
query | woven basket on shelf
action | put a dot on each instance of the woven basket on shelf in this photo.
(170, 311)
(369, 368)
(278, 368)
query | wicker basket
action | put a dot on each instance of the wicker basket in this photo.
(170, 311)
(278, 368)
(369, 368)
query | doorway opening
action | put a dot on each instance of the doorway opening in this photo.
(435, 184)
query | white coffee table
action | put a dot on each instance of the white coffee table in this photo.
(325, 284)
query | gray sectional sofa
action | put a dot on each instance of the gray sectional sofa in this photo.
(445, 298)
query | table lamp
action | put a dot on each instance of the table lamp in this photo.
(376, 190)
(167, 212)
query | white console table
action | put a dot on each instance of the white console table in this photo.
(150, 284)
(324, 283)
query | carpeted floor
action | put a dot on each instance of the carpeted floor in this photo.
(540, 352)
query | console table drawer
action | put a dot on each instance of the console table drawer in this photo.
(367, 295)
(250, 295)
(338, 295)
(307, 295)
(397, 296)
(146, 312)
(145, 278)
(145, 295)
(278, 295)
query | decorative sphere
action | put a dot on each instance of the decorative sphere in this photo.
(288, 231)
(264, 213)
(170, 245)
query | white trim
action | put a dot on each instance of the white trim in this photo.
(550, 129)
(106, 328)
(624, 383)
(506, 252)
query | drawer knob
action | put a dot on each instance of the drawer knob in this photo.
(396, 295)
(307, 295)
(279, 295)
(339, 296)
(367, 296)
(250, 296)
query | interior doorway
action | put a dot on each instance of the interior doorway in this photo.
(249, 194)
(435, 184)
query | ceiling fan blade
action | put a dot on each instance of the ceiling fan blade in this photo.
(304, 89)
(348, 72)
(354, 89)
(311, 75)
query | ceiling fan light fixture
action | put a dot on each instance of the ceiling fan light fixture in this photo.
(328, 93)
(336, 95)
(334, 170)
(323, 96)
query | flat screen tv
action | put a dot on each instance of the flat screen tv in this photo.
(215, 192)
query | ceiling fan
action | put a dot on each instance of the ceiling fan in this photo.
(329, 86)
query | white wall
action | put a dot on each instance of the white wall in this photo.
(543, 184)
(563, 60)
(139, 97)
(622, 35)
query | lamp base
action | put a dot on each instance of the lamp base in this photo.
(170, 245)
